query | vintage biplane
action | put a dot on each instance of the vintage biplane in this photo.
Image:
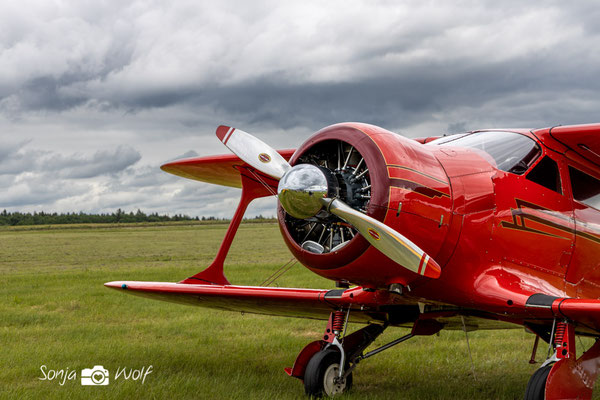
(481, 230)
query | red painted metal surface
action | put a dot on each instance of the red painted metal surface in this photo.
(564, 340)
(463, 205)
(499, 237)
(582, 139)
(290, 302)
(572, 378)
(259, 300)
(426, 327)
(584, 311)
(297, 371)
(402, 172)
(219, 170)
(254, 186)
(355, 249)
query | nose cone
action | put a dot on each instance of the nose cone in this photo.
(301, 189)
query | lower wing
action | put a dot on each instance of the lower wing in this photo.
(585, 313)
(365, 306)
(290, 302)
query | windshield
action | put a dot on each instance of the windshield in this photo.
(512, 152)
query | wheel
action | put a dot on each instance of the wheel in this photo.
(320, 377)
(536, 387)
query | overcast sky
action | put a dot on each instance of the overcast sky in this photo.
(96, 95)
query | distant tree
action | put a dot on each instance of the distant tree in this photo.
(119, 216)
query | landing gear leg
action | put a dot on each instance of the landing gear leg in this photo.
(563, 376)
(328, 372)
(326, 365)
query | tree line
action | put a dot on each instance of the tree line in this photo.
(119, 216)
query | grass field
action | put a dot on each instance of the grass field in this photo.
(55, 311)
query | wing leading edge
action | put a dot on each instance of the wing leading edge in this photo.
(582, 139)
(219, 170)
(365, 306)
(583, 312)
(289, 302)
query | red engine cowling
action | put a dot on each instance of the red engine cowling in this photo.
(391, 178)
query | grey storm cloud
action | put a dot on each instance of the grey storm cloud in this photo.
(96, 95)
(458, 56)
(147, 176)
(16, 160)
(37, 178)
(13, 160)
(36, 190)
(187, 154)
(9, 148)
(102, 162)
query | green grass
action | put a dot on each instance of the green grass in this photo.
(54, 311)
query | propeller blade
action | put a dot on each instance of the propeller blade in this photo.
(253, 151)
(385, 239)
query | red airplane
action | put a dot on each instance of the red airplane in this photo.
(486, 229)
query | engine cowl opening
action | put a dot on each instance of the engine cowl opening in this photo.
(325, 233)
(349, 155)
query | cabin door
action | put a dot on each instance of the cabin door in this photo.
(534, 219)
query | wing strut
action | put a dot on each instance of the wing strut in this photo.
(252, 188)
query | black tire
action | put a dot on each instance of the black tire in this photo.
(536, 387)
(318, 374)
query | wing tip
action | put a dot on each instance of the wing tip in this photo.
(116, 285)
(167, 167)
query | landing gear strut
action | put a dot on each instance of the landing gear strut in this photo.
(563, 376)
(326, 365)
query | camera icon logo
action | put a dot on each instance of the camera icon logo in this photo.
(96, 376)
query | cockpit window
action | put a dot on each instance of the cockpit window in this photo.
(586, 188)
(511, 151)
(449, 138)
(546, 173)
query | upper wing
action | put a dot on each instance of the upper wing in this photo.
(220, 170)
(583, 139)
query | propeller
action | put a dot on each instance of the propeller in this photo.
(305, 189)
(253, 151)
(385, 239)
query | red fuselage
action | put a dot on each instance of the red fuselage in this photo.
(490, 230)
